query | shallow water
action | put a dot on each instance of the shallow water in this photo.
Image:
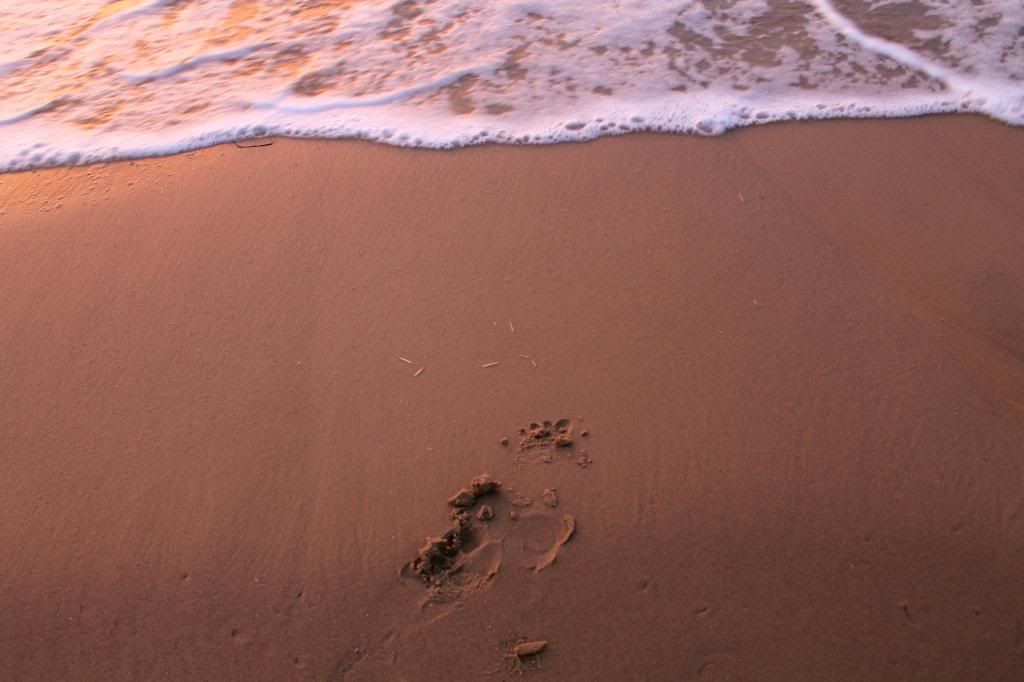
(97, 80)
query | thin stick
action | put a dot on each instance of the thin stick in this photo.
(405, 360)
(490, 364)
(523, 356)
(251, 146)
(741, 197)
(419, 371)
(533, 362)
(511, 328)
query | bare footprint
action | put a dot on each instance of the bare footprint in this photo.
(489, 526)
(545, 441)
(538, 535)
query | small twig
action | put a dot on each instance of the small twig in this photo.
(510, 327)
(250, 146)
(419, 371)
(405, 360)
(490, 364)
(741, 197)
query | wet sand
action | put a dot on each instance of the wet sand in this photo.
(797, 352)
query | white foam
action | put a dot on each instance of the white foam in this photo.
(93, 80)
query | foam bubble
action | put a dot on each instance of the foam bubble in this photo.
(93, 80)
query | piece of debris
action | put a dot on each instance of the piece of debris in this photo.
(490, 364)
(485, 513)
(524, 649)
(251, 146)
(504, 441)
(419, 371)
(521, 655)
(549, 497)
(527, 357)
(405, 360)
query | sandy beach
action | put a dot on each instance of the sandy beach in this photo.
(239, 386)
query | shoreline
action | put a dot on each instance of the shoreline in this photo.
(269, 139)
(798, 350)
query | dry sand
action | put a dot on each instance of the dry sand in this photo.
(798, 352)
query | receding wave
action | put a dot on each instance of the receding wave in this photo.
(96, 80)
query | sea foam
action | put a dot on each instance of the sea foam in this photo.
(98, 80)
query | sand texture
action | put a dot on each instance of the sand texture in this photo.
(245, 393)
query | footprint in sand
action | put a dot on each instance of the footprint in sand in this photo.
(544, 441)
(490, 527)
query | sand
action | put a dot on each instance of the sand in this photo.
(797, 353)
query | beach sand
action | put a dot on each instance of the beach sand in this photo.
(797, 352)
